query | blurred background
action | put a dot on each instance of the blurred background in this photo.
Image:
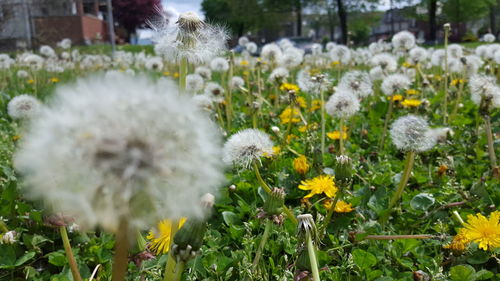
(28, 24)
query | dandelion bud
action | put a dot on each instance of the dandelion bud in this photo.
(275, 129)
(447, 26)
(420, 275)
(306, 225)
(207, 200)
(274, 202)
(9, 237)
(343, 170)
(232, 187)
(189, 239)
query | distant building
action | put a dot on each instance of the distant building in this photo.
(396, 20)
(30, 23)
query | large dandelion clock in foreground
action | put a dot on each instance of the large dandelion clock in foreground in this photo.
(246, 146)
(412, 133)
(114, 148)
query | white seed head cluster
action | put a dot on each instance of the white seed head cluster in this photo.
(271, 52)
(215, 92)
(246, 146)
(278, 75)
(357, 82)
(194, 83)
(64, 44)
(121, 147)
(403, 40)
(455, 51)
(237, 82)
(312, 84)
(190, 38)
(342, 104)
(437, 57)
(23, 107)
(47, 51)
(394, 83)
(341, 54)
(489, 38)
(483, 87)
(154, 64)
(412, 133)
(204, 72)
(5, 61)
(418, 55)
(385, 61)
(219, 64)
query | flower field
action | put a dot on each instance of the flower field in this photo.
(193, 162)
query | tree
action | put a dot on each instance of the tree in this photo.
(432, 8)
(131, 14)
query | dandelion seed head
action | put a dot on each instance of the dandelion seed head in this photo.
(455, 51)
(219, 64)
(385, 61)
(394, 83)
(47, 51)
(237, 82)
(246, 146)
(119, 147)
(278, 75)
(437, 57)
(291, 58)
(243, 41)
(204, 72)
(271, 52)
(418, 55)
(23, 107)
(215, 92)
(342, 104)
(489, 38)
(154, 64)
(412, 133)
(357, 82)
(251, 47)
(64, 44)
(194, 83)
(403, 40)
(341, 54)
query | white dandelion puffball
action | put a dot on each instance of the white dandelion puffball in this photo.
(342, 104)
(483, 87)
(418, 55)
(271, 52)
(47, 51)
(243, 40)
(246, 146)
(387, 62)
(219, 64)
(121, 147)
(251, 47)
(357, 82)
(215, 92)
(403, 40)
(23, 107)
(341, 54)
(412, 133)
(204, 72)
(190, 38)
(237, 82)
(194, 83)
(394, 83)
(154, 64)
(489, 38)
(455, 51)
(64, 44)
(312, 84)
(278, 75)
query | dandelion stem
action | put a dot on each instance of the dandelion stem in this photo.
(183, 69)
(170, 266)
(179, 269)
(410, 159)
(396, 237)
(120, 262)
(341, 139)
(445, 97)
(3, 226)
(491, 147)
(69, 254)
(457, 103)
(386, 123)
(312, 257)
(323, 125)
(267, 189)
(263, 241)
(458, 217)
(330, 212)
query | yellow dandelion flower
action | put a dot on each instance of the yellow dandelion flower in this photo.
(176, 74)
(166, 73)
(286, 116)
(54, 79)
(286, 87)
(300, 165)
(459, 243)
(455, 82)
(411, 103)
(335, 135)
(160, 238)
(318, 185)
(311, 126)
(276, 151)
(407, 65)
(484, 231)
(301, 101)
(340, 207)
(290, 137)
(16, 137)
(31, 81)
(335, 63)
(244, 63)
(395, 98)
(246, 73)
(315, 105)
(411, 92)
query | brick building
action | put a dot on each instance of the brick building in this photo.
(30, 23)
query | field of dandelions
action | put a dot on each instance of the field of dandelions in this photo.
(191, 162)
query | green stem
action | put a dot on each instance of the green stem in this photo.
(323, 125)
(122, 245)
(267, 189)
(445, 98)
(491, 147)
(386, 123)
(69, 254)
(183, 69)
(179, 269)
(457, 103)
(263, 241)
(341, 139)
(3, 227)
(410, 159)
(395, 237)
(458, 217)
(170, 266)
(330, 212)
(312, 257)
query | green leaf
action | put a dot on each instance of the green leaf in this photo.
(231, 218)
(422, 201)
(57, 258)
(363, 259)
(483, 274)
(26, 257)
(478, 257)
(462, 273)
